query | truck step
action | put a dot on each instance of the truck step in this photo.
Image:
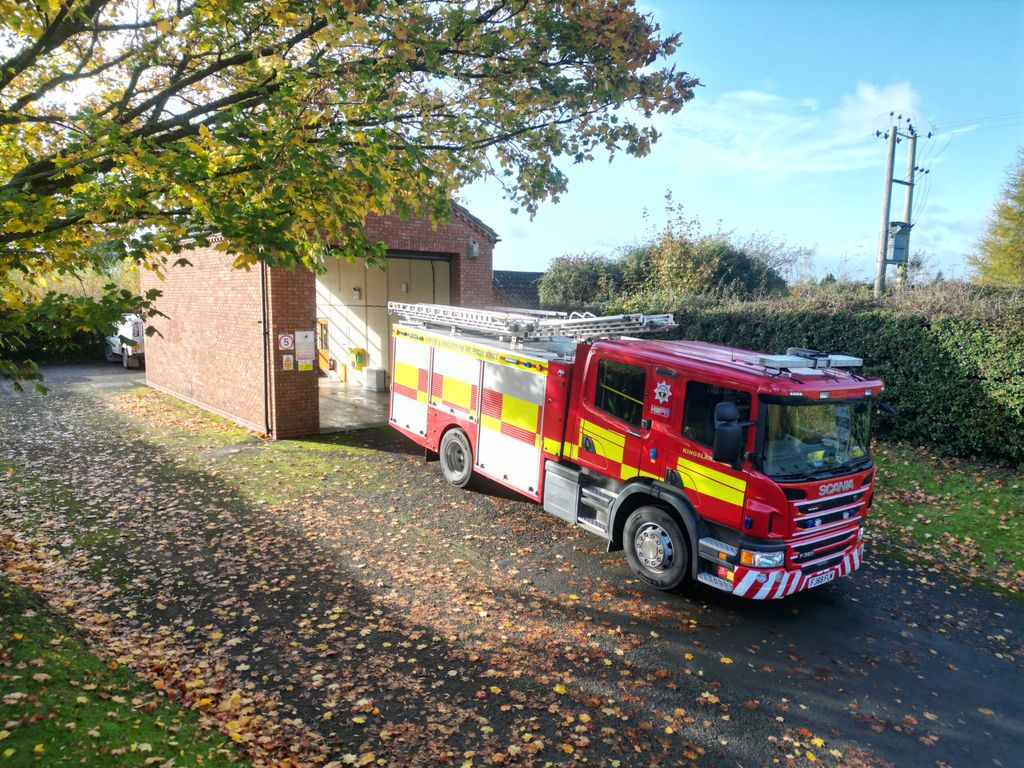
(596, 498)
(713, 549)
(715, 581)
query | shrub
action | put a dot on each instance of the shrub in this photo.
(952, 360)
(582, 282)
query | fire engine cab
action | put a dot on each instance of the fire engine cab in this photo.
(748, 472)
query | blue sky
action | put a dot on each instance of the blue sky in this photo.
(779, 140)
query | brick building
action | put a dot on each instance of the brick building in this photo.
(219, 345)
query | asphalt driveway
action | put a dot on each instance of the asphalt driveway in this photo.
(397, 618)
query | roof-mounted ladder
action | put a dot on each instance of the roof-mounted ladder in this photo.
(520, 325)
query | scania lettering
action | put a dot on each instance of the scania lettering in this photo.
(830, 488)
(748, 472)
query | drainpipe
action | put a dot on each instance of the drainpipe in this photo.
(266, 342)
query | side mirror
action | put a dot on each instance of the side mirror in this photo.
(728, 443)
(726, 411)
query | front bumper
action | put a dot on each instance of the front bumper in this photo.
(771, 584)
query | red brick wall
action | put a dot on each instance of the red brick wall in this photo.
(209, 347)
(472, 280)
(294, 394)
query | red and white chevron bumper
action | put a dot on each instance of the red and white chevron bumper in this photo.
(770, 584)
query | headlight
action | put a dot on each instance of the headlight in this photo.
(762, 559)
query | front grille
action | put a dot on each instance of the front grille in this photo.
(809, 555)
(820, 505)
(809, 521)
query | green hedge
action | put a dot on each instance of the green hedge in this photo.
(954, 373)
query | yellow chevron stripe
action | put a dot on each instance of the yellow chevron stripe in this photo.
(519, 413)
(552, 446)
(407, 375)
(719, 477)
(592, 429)
(705, 481)
(456, 391)
(489, 422)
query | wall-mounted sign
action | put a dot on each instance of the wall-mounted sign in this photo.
(285, 341)
(305, 349)
(288, 363)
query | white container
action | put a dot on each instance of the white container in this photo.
(375, 379)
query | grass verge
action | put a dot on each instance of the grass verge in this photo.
(265, 471)
(966, 515)
(62, 705)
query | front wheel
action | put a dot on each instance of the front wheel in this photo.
(456, 457)
(656, 548)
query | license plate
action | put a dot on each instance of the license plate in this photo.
(821, 578)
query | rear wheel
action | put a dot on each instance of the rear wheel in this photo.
(656, 548)
(456, 457)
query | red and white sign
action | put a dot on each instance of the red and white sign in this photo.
(286, 341)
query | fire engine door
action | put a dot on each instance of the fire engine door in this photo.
(613, 422)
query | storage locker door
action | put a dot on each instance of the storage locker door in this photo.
(410, 385)
(509, 440)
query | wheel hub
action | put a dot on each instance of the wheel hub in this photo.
(456, 458)
(654, 547)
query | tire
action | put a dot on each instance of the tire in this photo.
(110, 355)
(456, 457)
(656, 547)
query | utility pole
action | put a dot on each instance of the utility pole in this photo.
(899, 231)
(883, 237)
(909, 200)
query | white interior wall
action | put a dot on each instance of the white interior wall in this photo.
(363, 321)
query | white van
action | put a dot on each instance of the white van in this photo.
(127, 343)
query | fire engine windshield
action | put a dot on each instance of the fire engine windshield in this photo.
(822, 439)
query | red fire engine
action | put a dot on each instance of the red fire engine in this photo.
(748, 472)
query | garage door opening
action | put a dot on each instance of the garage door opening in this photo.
(354, 330)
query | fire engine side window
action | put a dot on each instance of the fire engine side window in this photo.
(620, 390)
(699, 409)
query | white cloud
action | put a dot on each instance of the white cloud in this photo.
(744, 132)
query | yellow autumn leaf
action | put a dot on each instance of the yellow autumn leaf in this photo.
(560, 689)
(810, 756)
(366, 758)
(725, 660)
(164, 26)
(818, 742)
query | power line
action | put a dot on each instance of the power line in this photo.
(941, 125)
